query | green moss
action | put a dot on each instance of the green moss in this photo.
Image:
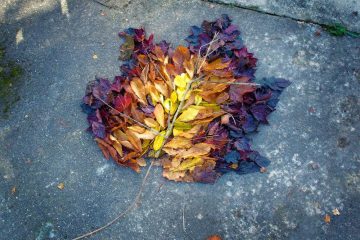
(10, 74)
(340, 30)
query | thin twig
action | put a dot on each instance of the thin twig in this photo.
(235, 83)
(132, 119)
(123, 213)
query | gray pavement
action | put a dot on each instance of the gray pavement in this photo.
(329, 12)
(312, 140)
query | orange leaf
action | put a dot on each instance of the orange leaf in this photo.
(327, 218)
(216, 65)
(181, 54)
(214, 237)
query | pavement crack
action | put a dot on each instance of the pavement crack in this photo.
(306, 21)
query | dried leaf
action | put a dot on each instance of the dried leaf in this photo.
(139, 89)
(188, 114)
(327, 218)
(179, 142)
(159, 114)
(134, 140)
(159, 140)
(61, 186)
(336, 212)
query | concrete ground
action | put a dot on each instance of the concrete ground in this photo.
(312, 140)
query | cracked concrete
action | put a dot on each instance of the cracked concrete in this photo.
(317, 11)
(312, 140)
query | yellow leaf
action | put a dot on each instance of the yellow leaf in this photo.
(173, 97)
(188, 164)
(177, 132)
(169, 106)
(137, 129)
(159, 140)
(188, 114)
(182, 125)
(154, 94)
(198, 99)
(139, 89)
(179, 142)
(159, 114)
(181, 80)
(61, 186)
(181, 93)
(151, 123)
(146, 135)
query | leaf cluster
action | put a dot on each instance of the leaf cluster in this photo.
(190, 107)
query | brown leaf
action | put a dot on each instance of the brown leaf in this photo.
(144, 73)
(134, 140)
(198, 149)
(181, 54)
(178, 142)
(162, 87)
(139, 89)
(159, 114)
(13, 190)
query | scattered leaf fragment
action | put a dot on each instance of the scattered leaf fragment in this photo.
(336, 212)
(61, 186)
(327, 218)
(13, 190)
(214, 237)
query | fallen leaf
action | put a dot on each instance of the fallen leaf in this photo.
(188, 114)
(214, 237)
(159, 140)
(159, 114)
(61, 186)
(13, 190)
(336, 212)
(327, 218)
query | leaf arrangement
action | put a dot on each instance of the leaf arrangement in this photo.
(190, 107)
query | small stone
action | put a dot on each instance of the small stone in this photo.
(229, 183)
(313, 166)
(95, 56)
